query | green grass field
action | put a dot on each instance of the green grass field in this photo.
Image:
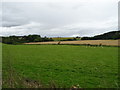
(63, 38)
(60, 66)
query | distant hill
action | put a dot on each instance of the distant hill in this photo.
(106, 36)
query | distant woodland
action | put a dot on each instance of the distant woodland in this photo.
(37, 38)
(106, 36)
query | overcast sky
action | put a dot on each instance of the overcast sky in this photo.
(55, 18)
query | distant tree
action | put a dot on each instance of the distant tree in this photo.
(34, 38)
(85, 38)
(77, 37)
(45, 39)
(74, 38)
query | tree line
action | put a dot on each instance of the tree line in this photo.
(30, 38)
(25, 39)
(37, 38)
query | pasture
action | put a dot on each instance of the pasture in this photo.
(59, 66)
(63, 38)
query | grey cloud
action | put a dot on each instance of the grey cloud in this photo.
(59, 19)
(13, 15)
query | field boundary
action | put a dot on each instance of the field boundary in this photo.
(73, 44)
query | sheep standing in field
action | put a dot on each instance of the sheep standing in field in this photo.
(94, 46)
(99, 45)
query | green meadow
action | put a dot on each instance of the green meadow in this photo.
(64, 38)
(61, 38)
(59, 66)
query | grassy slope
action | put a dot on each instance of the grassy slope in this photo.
(0, 65)
(64, 38)
(61, 38)
(61, 65)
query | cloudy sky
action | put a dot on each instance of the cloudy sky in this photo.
(54, 18)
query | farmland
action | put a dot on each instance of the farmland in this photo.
(59, 66)
(83, 42)
(63, 38)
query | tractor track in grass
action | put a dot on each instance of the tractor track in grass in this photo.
(15, 80)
